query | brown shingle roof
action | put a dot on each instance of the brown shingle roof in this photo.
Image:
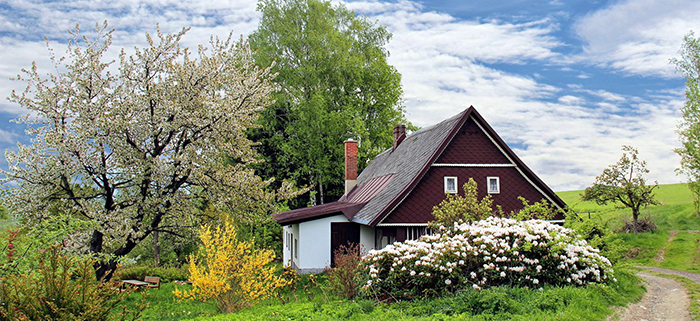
(406, 162)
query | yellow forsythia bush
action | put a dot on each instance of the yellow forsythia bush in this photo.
(230, 271)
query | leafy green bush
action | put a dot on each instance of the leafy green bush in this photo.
(3, 212)
(469, 208)
(166, 274)
(63, 288)
(599, 235)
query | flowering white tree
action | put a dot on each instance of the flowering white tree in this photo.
(132, 153)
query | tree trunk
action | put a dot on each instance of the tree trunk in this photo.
(312, 197)
(320, 190)
(156, 249)
(96, 242)
(635, 215)
(101, 267)
(104, 269)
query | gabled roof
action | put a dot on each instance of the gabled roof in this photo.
(408, 162)
(393, 174)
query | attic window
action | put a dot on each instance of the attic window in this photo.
(451, 184)
(494, 184)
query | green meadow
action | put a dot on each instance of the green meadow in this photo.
(674, 215)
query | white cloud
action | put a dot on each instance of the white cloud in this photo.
(570, 100)
(25, 23)
(567, 142)
(485, 41)
(638, 36)
(8, 137)
(566, 134)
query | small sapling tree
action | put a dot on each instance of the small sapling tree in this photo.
(467, 208)
(623, 183)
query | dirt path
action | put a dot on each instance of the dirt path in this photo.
(665, 299)
(693, 276)
(660, 256)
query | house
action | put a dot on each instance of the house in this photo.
(393, 198)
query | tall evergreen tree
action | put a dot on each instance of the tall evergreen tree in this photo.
(334, 84)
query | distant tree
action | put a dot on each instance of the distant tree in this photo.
(134, 152)
(689, 128)
(334, 84)
(623, 183)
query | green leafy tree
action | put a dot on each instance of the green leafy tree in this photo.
(623, 183)
(334, 84)
(468, 208)
(689, 128)
(541, 210)
(135, 152)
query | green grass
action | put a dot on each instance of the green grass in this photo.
(503, 303)
(682, 253)
(314, 302)
(162, 304)
(675, 212)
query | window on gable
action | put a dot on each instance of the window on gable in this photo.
(493, 184)
(451, 184)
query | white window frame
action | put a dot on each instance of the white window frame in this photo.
(456, 184)
(498, 185)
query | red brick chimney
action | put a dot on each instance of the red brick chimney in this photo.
(350, 164)
(399, 135)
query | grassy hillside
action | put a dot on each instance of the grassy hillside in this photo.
(675, 216)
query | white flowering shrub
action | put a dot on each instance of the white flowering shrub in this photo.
(491, 252)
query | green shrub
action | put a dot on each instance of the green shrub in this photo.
(343, 277)
(166, 274)
(63, 288)
(599, 235)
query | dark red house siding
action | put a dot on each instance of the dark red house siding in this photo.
(471, 146)
(418, 206)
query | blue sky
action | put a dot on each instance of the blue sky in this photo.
(565, 83)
